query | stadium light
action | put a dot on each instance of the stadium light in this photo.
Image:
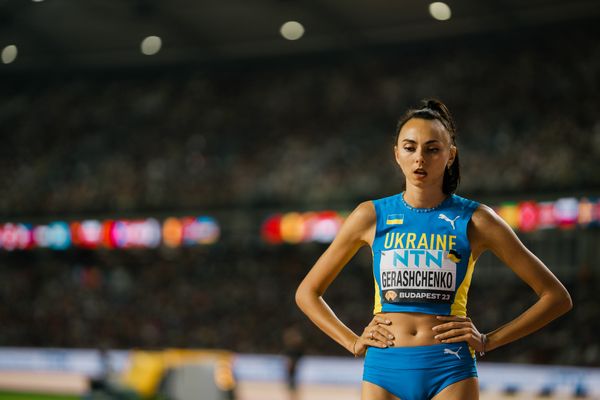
(440, 11)
(9, 54)
(292, 30)
(151, 45)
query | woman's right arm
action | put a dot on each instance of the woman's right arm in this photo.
(357, 230)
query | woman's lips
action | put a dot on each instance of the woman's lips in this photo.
(420, 173)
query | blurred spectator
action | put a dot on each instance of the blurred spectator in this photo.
(293, 349)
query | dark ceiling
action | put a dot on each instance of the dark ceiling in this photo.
(98, 33)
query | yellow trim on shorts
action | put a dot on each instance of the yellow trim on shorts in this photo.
(472, 351)
(459, 307)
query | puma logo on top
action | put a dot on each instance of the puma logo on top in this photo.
(448, 351)
(451, 221)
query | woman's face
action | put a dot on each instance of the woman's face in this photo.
(424, 151)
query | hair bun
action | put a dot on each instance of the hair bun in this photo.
(439, 107)
(433, 104)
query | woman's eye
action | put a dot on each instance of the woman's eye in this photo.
(434, 150)
(409, 148)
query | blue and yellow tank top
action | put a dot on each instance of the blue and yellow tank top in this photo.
(422, 256)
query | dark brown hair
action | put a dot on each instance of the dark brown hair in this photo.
(435, 109)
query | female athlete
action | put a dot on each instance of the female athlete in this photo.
(425, 241)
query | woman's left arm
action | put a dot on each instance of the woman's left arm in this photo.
(487, 231)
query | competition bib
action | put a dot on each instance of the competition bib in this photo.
(418, 276)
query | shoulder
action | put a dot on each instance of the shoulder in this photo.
(485, 217)
(487, 227)
(364, 213)
(359, 225)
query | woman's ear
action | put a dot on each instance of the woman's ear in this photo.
(453, 151)
(396, 155)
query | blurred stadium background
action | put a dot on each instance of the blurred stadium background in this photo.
(171, 170)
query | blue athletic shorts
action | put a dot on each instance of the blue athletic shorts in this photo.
(420, 372)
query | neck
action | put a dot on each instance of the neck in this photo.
(427, 197)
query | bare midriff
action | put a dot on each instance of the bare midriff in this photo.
(412, 329)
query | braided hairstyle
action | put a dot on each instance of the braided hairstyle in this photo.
(434, 109)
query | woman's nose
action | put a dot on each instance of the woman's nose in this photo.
(419, 157)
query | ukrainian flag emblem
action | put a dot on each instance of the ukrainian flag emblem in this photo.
(454, 256)
(395, 219)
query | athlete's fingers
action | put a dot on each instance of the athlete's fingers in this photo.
(371, 332)
(383, 337)
(456, 339)
(385, 333)
(379, 320)
(381, 329)
(375, 334)
(450, 325)
(453, 333)
(448, 334)
(376, 343)
(459, 329)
